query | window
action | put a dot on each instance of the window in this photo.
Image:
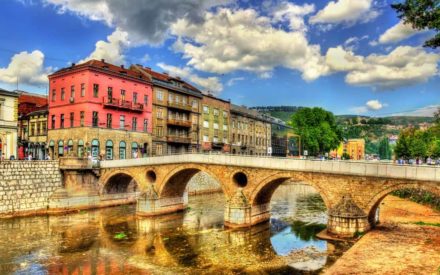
(95, 90)
(159, 149)
(184, 100)
(81, 118)
(72, 92)
(60, 148)
(53, 122)
(122, 122)
(159, 131)
(134, 124)
(32, 129)
(206, 124)
(62, 94)
(122, 95)
(80, 148)
(109, 121)
(62, 121)
(194, 104)
(216, 126)
(72, 119)
(206, 109)
(109, 149)
(83, 89)
(225, 140)
(170, 97)
(159, 95)
(122, 150)
(135, 97)
(215, 139)
(95, 148)
(95, 119)
(233, 124)
(159, 113)
(69, 146)
(215, 112)
(134, 150)
(225, 127)
(44, 128)
(54, 94)
(205, 138)
(145, 125)
(225, 114)
(145, 100)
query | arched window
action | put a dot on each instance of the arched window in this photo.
(122, 150)
(69, 146)
(80, 148)
(95, 148)
(109, 149)
(134, 150)
(60, 148)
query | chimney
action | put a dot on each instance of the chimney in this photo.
(122, 66)
(103, 60)
(73, 64)
(165, 73)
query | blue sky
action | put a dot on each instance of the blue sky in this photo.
(347, 56)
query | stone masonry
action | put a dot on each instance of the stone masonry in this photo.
(203, 183)
(25, 186)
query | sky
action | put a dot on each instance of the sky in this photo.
(347, 56)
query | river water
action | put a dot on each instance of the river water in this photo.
(115, 241)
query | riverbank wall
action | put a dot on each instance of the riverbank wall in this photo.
(25, 186)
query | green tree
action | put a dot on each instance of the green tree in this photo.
(403, 144)
(421, 14)
(318, 130)
(384, 149)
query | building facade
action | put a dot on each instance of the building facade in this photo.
(176, 113)
(214, 125)
(355, 148)
(99, 109)
(8, 124)
(250, 132)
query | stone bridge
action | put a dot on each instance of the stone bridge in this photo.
(352, 191)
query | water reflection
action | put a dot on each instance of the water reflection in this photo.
(115, 241)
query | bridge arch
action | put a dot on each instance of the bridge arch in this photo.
(376, 200)
(119, 181)
(175, 182)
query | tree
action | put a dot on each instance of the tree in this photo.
(318, 130)
(384, 149)
(421, 14)
(402, 149)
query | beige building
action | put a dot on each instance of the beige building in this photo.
(33, 131)
(250, 132)
(8, 124)
(176, 113)
(214, 124)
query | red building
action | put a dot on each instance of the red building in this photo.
(101, 109)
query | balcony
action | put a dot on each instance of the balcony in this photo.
(113, 102)
(179, 122)
(178, 139)
(180, 106)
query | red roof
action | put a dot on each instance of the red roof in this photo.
(29, 102)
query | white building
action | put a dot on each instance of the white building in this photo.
(8, 124)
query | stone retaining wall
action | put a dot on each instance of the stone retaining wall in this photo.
(25, 186)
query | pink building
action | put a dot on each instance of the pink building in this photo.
(97, 95)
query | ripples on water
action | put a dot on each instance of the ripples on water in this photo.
(114, 241)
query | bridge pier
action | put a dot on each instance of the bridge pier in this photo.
(149, 203)
(346, 219)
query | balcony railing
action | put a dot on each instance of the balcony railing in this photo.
(122, 104)
(178, 139)
(179, 122)
(178, 105)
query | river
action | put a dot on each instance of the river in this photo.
(115, 241)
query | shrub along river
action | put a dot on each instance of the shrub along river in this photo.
(115, 241)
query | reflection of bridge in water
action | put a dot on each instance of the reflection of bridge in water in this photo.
(351, 191)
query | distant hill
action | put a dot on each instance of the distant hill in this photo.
(282, 112)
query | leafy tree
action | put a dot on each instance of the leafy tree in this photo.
(421, 14)
(345, 156)
(384, 149)
(318, 130)
(403, 144)
(355, 120)
(437, 116)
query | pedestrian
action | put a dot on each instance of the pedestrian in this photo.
(3, 157)
(29, 157)
(47, 157)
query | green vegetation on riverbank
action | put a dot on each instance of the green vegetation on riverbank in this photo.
(419, 196)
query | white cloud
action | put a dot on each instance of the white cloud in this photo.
(146, 21)
(233, 80)
(211, 84)
(352, 43)
(230, 40)
(345, 11)
(423, 111)
(397, 33)
(294, 14)
(403, 66)
(111, 50)
(375, 105)
(27, 68)
(359, 110)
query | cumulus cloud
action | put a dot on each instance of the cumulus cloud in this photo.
(403, 66)
(27, 68)
(111, 50)
(371, 105)
(230, 40)
(397, 33)
(294, 14)
(352, 43)
(146, 21)
(345, 11)
(211, 84)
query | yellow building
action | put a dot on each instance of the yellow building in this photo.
(355, 148)
(8, 124)
(34, 133)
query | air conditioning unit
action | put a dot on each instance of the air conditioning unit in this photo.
(71, 100)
